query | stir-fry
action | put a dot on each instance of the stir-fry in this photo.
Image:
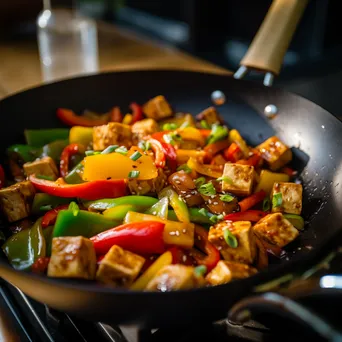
(152, 200)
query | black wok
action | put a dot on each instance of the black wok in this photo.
(314, 134)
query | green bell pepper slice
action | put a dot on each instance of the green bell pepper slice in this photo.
(24, 153)
(82, 223)
(47, 232)
(53, 149)
(296, 220)
(106, 203)
(195, 216)
(44, 202)
(160, 209)
(25, 247)
(41, 137)
(119, 212)
(74, 176)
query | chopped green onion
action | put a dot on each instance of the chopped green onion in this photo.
(296, 220)
(266, 205)
(169, 126)
(207, 189)
(217, 133)
(45, 177)
(91, 153)
(46, 207)
(185, 168)
(172, 138)
(135, 156)
(204, 124)
(199, 181)
(185, 124)
(144, 145)
(203, 212)
(216, 218)
(110, 149)
(121, 150)
(277, 200)
(225, 179)
(230, 238)
(227, 198)
(134, 174)
(200, 270)
(74, 208)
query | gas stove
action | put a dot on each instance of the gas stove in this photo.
(23, 319)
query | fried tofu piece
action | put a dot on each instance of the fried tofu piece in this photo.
(157, 108)
(174, 277)
(143, 128)
(245, 252)
(210, 115)
(226, 271)
(275, 153)
(16, 200)
(113, 133)
(275, 229)
(150, 186)
(72, 257)
(44, 166)
(242, 178)
(291, 195)
(119, 267)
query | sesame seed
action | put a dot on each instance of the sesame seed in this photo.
(184, 231)
(154, 213)
(219, 248)
(133, 193)
(188, 196)
(209, 201)
(184, 258)
(194, 192)
(212, 196)
(139, 188)
(177, 233)
(177, 182)
(215, 203)
(224, 213)
(172, 233)
(183, 192)
(198, 237)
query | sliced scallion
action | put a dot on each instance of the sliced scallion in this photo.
(230, 238)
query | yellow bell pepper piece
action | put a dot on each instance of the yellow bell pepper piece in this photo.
(175, 233)
(234, 136)
(204, 169)
(127, 119)
(268, 178)
(81, 135)
(141, 283)
(184, 155)
(192, 134)
(117, 166)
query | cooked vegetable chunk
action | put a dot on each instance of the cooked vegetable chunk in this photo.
(226, 271)
(290, 197)
(143, 128)
(210, 115)
(268, 178)
(240, 177)
(275, 229)
(242, 230)
(45, 167)
(150, 186)
(16, 200)
(157, 108)
(72, 257)
(119, 267)
(113, 133)
(275, 153)
(174, 277)
(216, 206)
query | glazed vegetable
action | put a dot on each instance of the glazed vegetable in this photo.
(208, 170)
(252, 200)
(160, 209)
(75, 175)
(44, 202)
(137, 113)
(81, 135)
(268, 178)
(249, 215)
(41, 137)
(138, 237)
(119, 212)
(196, 215)
(69, 118)
(50, 217)
(24, 153)
(89, 191)
(67, 153)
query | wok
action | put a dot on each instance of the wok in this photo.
(314, 134)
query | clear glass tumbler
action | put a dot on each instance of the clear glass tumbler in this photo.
(67, 43)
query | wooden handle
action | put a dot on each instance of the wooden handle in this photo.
(269, 46)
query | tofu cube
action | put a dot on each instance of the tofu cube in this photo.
(291, 195)
(210, 115)
(16, 200)
(245, 252)
(143, 128)
(149, 186)
(242, 177)
(174, 277)
(119, 267)
(275, 153)
(275, 229)
(113, 133)
(72, 257)
(157, 108)
(44, 166)
(226, 271)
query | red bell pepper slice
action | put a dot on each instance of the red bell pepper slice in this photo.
(290, 172)
(205, 132)
(115, 115)
(89, 191)
(138, 237)
(253, 160)
(212, 256)
(2, 177)
(68, 117)
(159, 136)
(252, 200)
(50, 217)
(40, 265)
(158, 150)
(67, 153)
(216, 147)
(249, 215)
(233, 153)
(181, 256)
(137, 112)
(170, 155)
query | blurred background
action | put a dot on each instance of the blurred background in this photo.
(218, 31)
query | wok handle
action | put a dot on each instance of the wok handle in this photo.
(269, 45)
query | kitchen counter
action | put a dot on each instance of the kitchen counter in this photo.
(118, 50)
